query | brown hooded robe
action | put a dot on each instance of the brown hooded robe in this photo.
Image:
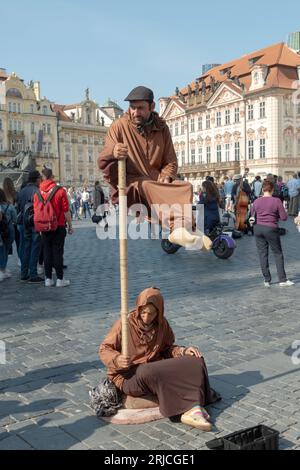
(151, 155)
(179, 382)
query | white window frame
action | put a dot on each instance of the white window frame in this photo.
(200, 122)
(207, 121)
(236, 115)
(227, 152)
(250, 113)
(200, 154)
(251, 149)
(193, 156)
(192, 125)
(208, 154)
(262, 148)
(262, 109)
(237, 150)
(227, 117)
(219, 153)
(176, 128)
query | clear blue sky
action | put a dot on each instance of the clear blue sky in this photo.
(113, 46)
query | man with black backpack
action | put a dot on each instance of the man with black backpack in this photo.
(51, 214)
(30, 239)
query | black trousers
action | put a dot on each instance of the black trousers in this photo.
(267, 236)
(53, 247)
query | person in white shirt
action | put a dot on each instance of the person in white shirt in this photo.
(85, 198)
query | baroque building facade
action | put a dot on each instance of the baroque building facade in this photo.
(27, 122)
(240, 117)
(65, 138)
(82, 128)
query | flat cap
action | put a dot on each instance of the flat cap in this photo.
(140, 93)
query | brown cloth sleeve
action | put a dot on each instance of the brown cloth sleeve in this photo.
(169, 163)
(106, 160)
(110, 348)
(171, 350)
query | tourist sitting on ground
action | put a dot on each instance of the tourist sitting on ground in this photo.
(210, 197)
(176, 375)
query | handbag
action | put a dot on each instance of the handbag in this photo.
(96, 218)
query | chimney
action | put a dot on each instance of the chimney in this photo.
(37, 90)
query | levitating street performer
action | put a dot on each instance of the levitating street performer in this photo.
(176, 375)
(144, 139)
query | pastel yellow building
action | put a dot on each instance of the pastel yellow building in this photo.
(27, 122)
(82, 128)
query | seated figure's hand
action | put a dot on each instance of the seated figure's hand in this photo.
(193, 351)
(120, 151)
(123, 362)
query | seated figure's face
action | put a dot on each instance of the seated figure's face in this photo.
(148, 314)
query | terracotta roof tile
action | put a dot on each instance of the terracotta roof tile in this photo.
(59, 109)
(280, 59)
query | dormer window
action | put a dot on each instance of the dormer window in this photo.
(258, 75)
(253, 60)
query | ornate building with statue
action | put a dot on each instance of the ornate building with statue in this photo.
(82, 129)
(27, 122)
(243, 116)
(65, 138)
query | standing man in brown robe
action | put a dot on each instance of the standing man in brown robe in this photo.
(144, 140)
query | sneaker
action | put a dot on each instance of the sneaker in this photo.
(7, 274)
(40, 269)
(267, 284)
(36, 280)
(2, 276)
(25, 278)
(287, 283)
(49, 282)
(62, 283)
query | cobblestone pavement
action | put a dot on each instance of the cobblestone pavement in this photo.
(244, 330)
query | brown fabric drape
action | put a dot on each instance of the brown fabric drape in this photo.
(178, 383)
(161, 346)
(151, 156)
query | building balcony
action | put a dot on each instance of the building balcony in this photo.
(198, 167)
(15, 133)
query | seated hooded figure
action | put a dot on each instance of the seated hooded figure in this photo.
(176, 375)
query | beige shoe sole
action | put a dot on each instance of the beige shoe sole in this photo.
(207, 243)
(196, 422)
(181, 236)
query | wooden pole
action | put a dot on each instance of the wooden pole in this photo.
(123, 253)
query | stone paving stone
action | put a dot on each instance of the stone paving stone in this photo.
(14, 443)
(245, 333)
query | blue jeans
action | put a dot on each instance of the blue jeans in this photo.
(74, 210)
(86, 208)
(5, 247)
(30, 254)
